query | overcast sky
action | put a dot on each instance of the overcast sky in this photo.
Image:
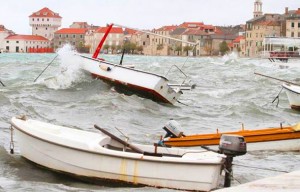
(143, 14)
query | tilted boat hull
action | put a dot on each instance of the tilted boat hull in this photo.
(81, 153)
(276, 139)
(142, 83)
(293, 94)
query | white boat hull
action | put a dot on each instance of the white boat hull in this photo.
(149, 85)
(293, 94)
(81, 153)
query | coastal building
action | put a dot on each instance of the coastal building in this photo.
(3, 34)
(72, 36)
(160, 45)
(114, 39)
(238, 45)
(196, 36)
(293, 23)
(81, 25)
(27, 44)
(44, 23)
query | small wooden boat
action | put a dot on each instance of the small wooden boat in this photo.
(293, 94)
(106, 157)
(277, 139)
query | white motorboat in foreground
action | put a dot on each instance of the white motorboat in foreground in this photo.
(293, 94)
(105, 156)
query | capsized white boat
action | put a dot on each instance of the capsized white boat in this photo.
(146, 84)
(105, 156)
(142, 83)
(293, 94)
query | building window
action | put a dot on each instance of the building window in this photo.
(81, 36)
(73, 36)
(292, 34)
(32, 19)
(36, 28)
(7, 41)
(59, 43)
(73, 43)
(47, 19)
(298, 24)
(43, 19)
(37, 19)
(67, 36)
(59, 35)
(17, 41)
(7, 48)
(46, 28)
(298, 34)
(293, 24)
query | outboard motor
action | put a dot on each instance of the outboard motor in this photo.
(231, 146)
(173, 129)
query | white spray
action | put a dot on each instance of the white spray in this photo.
(69, 72)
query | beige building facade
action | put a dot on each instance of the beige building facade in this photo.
(44, 23)
(293, 24)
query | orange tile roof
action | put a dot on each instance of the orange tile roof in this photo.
(27, 37)
(167, 28)
(129, 31)
(189, 24)
(45, 12)
(71, 31)
(194, 32)
(207, 27)
(113, 30)
(238, 39)
(269, 23)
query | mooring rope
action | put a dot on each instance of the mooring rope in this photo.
(266, 169)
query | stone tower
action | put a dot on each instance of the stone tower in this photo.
(44, 23)
(257, 8)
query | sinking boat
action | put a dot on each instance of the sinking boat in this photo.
(133, 81)
(277, 139)
(103, 156)
(293, 94)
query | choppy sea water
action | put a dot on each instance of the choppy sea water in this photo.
(227, 94)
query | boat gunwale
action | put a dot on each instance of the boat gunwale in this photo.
(142, 158)
(289, 89)
(249, 134)
(121, 66)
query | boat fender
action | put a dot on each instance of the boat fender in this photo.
(105, 67)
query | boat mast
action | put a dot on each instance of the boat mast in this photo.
(95, 55)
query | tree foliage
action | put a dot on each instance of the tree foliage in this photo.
(223, 47)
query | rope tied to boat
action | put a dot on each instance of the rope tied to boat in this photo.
(261, 168)
(12, 146)
(277, 97)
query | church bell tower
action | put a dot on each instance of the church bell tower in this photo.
(257, 8)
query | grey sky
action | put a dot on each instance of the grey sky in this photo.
(144, 14)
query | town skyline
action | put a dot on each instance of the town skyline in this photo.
(151, 14)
